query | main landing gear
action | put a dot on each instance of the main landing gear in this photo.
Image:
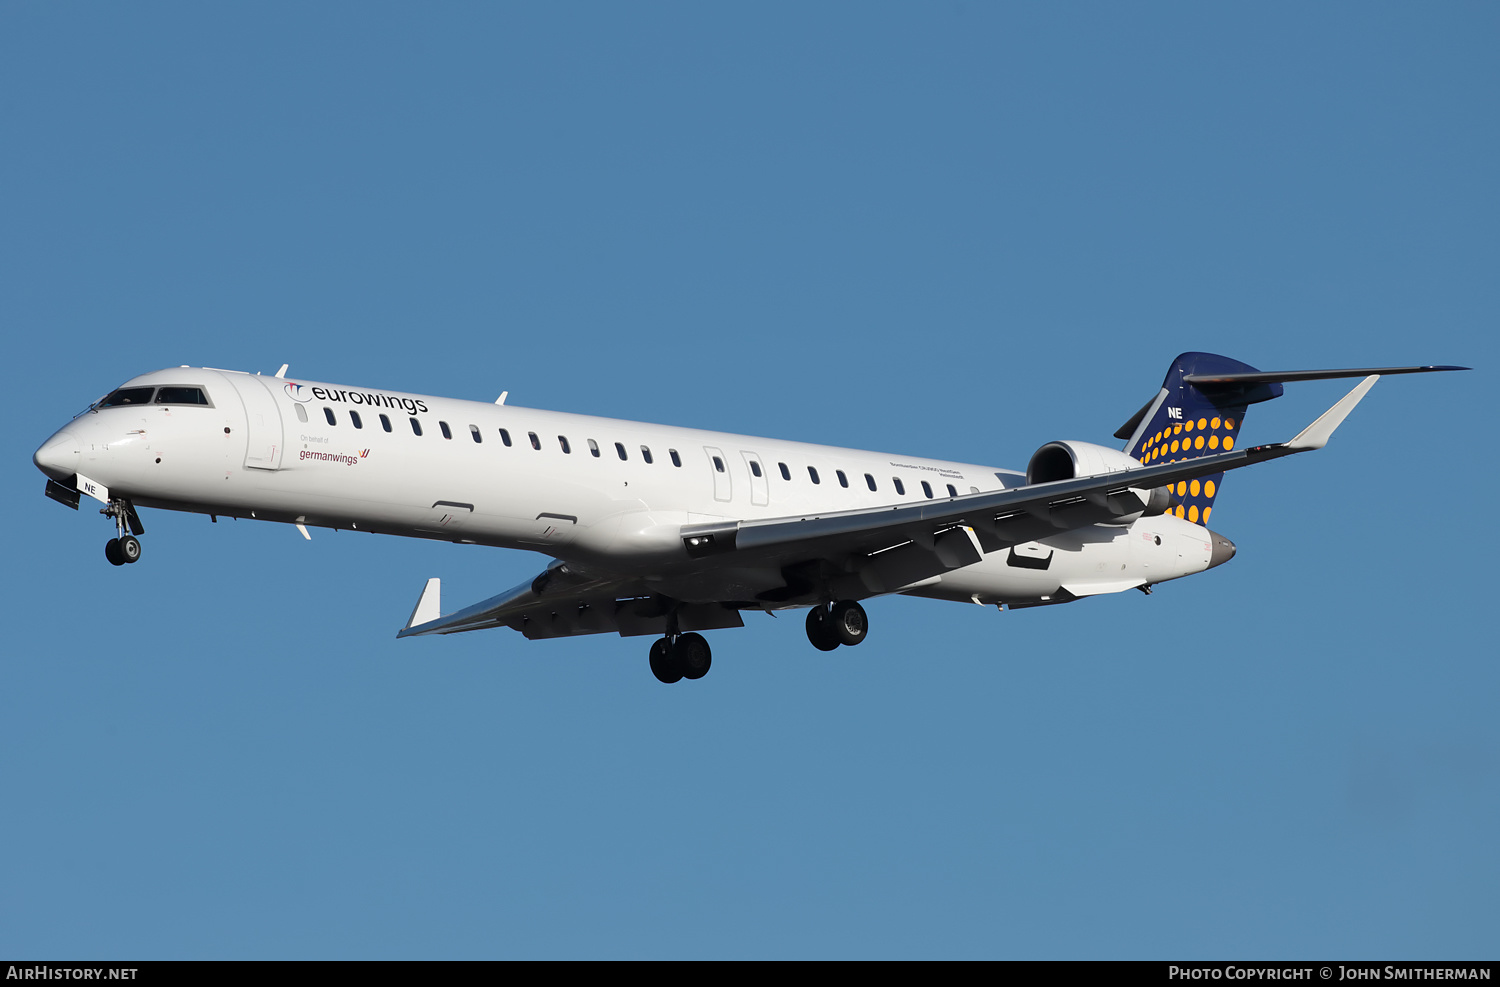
(843, 623)
(680, 656)
(125, 548)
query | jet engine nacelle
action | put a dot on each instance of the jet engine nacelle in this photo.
(1071, 459)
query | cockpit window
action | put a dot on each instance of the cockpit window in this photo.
(127, 395)
(181, 395)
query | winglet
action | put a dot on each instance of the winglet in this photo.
(1315, 436)
(428, 607)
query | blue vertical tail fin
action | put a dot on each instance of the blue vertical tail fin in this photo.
(1187, 420)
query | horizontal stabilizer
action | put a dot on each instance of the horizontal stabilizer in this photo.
(1208, 383)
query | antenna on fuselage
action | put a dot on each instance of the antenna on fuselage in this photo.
(502, 397)
(282, 371)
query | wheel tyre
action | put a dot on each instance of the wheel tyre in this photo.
(849, 622)
(663, 665)
(693, 656)
(113, 553)
(130, 549)
(820, 630)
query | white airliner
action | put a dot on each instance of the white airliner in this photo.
(670, 531)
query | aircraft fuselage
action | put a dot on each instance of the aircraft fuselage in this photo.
(604, 493)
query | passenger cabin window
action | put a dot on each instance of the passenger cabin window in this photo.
(812, 471)
(593, 448)
(181, 395)
(869, 481)
(354, 417)
(620, 448)
(676, 459)
(927, 488)
(843, 480)
(786, 474)
(301, 413)
(646, 455)
(900, 487)
(562, 443)
(447, 432)
(952, 492)
(474, 434)
(127, 395)
(536, 443)
(505, 438)
(718, 464)
(416, 427)
(328, 414)
(754, 468)
(385, 422)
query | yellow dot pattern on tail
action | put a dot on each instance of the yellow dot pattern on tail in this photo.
(1208, 436)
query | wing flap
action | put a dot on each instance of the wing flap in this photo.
(623, 617)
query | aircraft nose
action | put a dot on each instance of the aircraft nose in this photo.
(58, 457)
(1223, 549)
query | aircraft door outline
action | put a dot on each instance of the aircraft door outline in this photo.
(265, 432)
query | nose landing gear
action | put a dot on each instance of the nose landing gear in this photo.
(121, 551)
(125, 548)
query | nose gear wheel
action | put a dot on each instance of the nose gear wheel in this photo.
(123, 549)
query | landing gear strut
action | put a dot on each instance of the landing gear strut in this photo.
(843, 623)
(125, 548)
(680, 656)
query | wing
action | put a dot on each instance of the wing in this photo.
(905, 544)
(562, 602)
(854, 554)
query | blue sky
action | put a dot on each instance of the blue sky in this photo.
(958, 230)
